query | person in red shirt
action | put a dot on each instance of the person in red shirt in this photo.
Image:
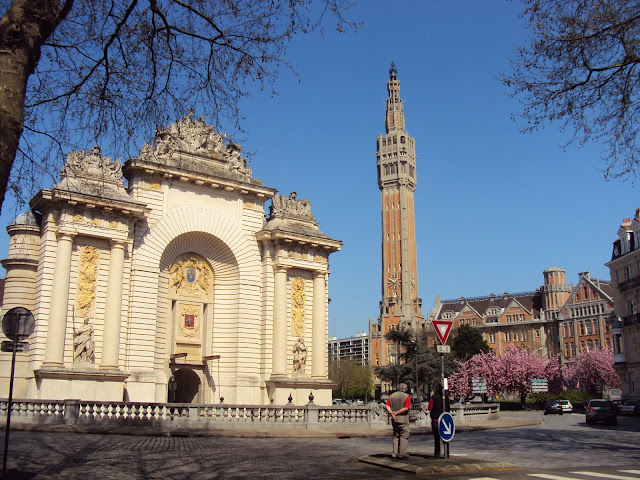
(398, 406)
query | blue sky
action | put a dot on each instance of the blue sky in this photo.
(494, 207)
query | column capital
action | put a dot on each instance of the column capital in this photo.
(114, 243)
(70, 235)
(319, 273)
(280, 269)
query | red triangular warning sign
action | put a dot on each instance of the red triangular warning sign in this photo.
(442, 328)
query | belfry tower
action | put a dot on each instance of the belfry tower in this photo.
(400, 306)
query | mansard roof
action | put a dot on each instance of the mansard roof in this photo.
(529, 301)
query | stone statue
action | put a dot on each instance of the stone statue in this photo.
(291, 207)
(83, 344)
(299, 356)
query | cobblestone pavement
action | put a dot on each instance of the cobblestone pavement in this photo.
(80, 456)
(63, 455)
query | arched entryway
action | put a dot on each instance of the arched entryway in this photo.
(187, 386)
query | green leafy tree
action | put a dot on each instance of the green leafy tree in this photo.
(352, 380)
(402, 338)
(578, 66)
(74, 73)
(467, 342)
(419, 363)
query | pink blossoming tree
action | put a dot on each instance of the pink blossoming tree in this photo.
(593, 369)
(510, 372)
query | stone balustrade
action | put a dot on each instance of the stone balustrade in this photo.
(80, 412)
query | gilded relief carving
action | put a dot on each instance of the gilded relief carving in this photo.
(87, 274)
(190, 277)
(155, 186)
(297, 306)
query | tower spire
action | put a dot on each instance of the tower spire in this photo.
(395, 112)
(400, 306)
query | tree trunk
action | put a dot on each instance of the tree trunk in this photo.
(23, 30)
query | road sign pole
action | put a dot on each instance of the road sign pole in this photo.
(9, 406)
(444, 403)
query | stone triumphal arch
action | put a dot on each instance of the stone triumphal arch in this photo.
(174, 285)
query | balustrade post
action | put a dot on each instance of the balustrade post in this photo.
(193, 413)
(312, 415)
(71, 411)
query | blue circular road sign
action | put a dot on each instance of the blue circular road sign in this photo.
(446, 427)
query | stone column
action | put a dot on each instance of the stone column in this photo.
(113, 311)
(318, 326)
(279, 354)
(58, 310)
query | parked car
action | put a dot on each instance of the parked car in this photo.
(566, 406)
(630, 407)
(618, 404)
(601, 411)
(553, 406)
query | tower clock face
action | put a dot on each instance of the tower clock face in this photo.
(394, 282)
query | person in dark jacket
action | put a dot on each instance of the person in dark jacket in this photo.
(398, 406)
(435, 410)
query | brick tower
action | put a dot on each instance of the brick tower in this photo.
(396, 158)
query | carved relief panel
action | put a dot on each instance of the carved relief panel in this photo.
(190, 276)
(297, 306)
(188, 330)
(191, 287)
(87, 274)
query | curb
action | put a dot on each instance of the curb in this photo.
(439, 468)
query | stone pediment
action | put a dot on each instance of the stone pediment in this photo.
(90, 173)
(197, 141)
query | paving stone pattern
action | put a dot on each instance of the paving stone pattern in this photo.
(44, 456)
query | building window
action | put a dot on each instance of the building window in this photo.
(588, 329)
(507, 336)
(627, 272)
(581, 328)
(492, 338)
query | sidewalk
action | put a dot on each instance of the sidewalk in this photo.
(420, 464)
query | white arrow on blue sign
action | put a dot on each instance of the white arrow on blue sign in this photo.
(446, 427)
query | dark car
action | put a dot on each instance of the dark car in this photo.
(553, 406)
(618, 404)
(602, 411)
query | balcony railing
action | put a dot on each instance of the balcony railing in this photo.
(631, 320)
(629, 284)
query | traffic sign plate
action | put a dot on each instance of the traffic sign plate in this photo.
(7, 346)
(446, 427)
(442, 328)
(18, 323)
(443, 348)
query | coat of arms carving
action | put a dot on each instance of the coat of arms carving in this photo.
(191, 276)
